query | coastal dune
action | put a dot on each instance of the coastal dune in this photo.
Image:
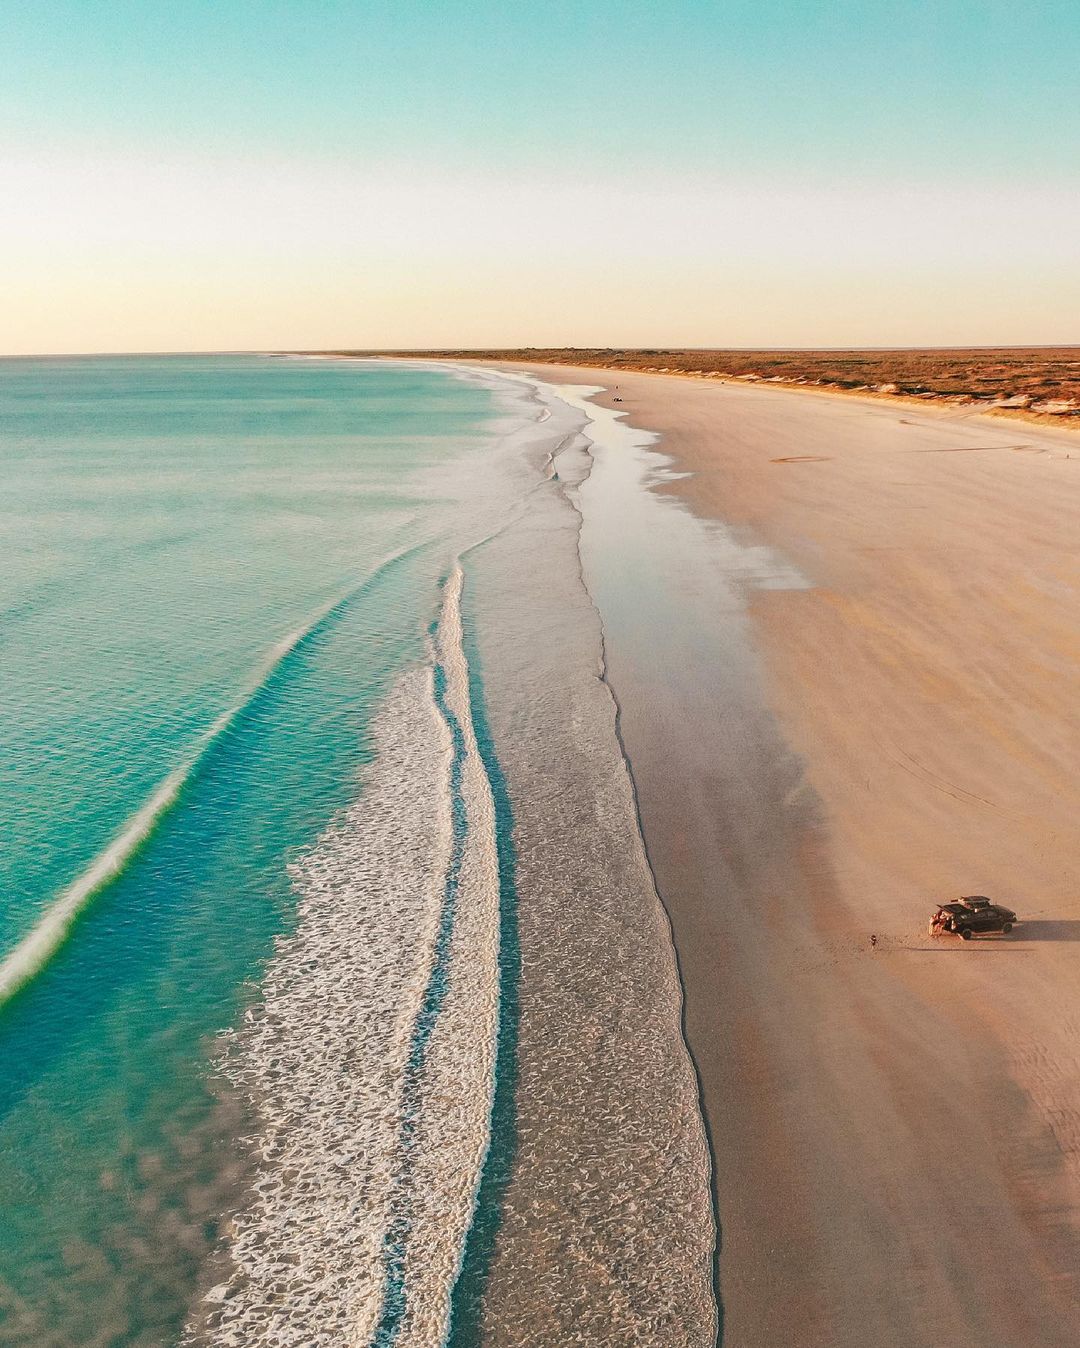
(894, 1120)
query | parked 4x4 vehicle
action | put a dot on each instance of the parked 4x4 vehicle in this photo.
(970, 915)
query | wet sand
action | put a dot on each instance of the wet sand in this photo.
(604, 1233)
(895, 1128)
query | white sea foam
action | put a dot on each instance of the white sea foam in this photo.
(330, 1060)
(460, 1069)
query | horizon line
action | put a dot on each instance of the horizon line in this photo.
(664, 349)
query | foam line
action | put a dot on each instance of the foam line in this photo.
(452, 1053)
(370, 1059)
(30, 956)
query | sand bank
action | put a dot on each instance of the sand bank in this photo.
(896, 1128)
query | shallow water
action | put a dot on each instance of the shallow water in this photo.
(171, 523)
(309, 645)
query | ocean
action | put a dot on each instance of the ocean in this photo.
(336, 1000)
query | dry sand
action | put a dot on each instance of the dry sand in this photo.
(896, 1129)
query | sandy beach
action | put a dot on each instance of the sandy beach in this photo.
(1037, 385)
(895, 1124)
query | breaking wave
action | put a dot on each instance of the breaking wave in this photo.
(34, 951)
(370, 1058)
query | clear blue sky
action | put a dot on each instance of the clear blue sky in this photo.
(746, 109)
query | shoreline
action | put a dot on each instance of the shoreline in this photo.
(606, 1233)
(605, 438)
(837, 1076)
(889, 386)
(558, 1191)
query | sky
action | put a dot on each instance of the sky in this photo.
(312, 174)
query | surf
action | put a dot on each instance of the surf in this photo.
(454, 1042)
(381, 1007)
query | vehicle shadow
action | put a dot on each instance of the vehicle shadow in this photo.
(1061, 930)
(1025, 932)
(950, 944)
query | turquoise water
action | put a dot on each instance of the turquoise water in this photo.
(183, 536)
